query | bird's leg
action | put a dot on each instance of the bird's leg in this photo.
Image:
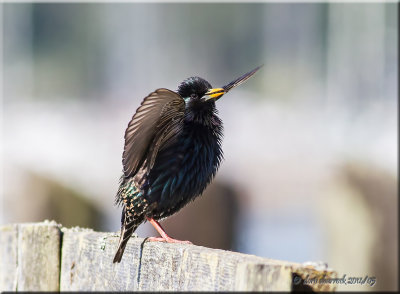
(164, 236)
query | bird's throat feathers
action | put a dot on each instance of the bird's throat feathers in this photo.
(202, 113)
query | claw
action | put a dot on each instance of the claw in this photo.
(168, 240)
(164, 237)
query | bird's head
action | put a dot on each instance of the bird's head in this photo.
(198, 89)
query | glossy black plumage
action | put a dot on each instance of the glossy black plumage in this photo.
(172, 151)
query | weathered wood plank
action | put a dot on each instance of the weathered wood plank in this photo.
(8, 257)
(87, 262)
(151, 266)
(263, 277)
(30, 260)
(38, 258)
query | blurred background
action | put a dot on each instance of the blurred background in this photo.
(310, 169)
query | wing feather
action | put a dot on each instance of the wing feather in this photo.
(159, 114)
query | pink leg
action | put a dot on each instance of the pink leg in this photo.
(164, 236)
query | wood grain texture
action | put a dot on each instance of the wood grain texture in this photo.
(30, 257)
(8, 257)
(38, 257)
(30, 260)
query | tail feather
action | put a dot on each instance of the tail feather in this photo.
(129, 196)
(127, 229)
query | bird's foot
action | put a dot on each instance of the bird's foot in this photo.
(168, 240)
(164, 237)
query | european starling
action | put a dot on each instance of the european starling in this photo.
(172, 152)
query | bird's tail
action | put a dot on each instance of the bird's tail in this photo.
(127, 229)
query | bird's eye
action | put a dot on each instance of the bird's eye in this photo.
(193, 95)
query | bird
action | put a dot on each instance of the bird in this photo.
(172, 151)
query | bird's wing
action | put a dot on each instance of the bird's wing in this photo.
(160, 111)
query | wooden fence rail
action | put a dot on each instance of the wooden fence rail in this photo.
(47, 257)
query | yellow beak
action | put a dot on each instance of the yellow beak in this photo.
(218, 92)
(214, 93)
